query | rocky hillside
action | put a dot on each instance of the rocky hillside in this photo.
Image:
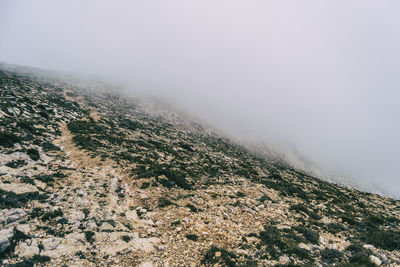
(92, 177)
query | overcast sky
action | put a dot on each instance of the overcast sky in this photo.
(318, 77)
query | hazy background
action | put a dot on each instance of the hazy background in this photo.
(317, 77)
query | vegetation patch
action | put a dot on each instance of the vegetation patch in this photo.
(11, 200)
(192, 237)
(33, 154)
(217, 255)
(331, 255)
(8, 139)
(89, 235)
(126, 238)
(15, 164)
(163, 202)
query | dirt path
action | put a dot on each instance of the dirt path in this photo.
(94, 201)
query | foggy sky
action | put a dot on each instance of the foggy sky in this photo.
(317, 77)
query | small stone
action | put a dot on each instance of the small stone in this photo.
(143, 210)
(146, 264)
(162, 248)
(218, 254)
(368, 246)
(375, 260)
(304, 246)
(149, 222)
(284, 259)
(241, 251)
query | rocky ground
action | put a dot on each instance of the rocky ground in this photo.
(92, 177)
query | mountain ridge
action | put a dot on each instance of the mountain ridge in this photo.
(90, 176)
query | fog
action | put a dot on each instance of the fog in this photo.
(318, 80)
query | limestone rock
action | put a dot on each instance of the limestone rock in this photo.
(76, 216)
(51, 243)
(368, 246)
(18, 188)
(146, 264)
(11, 215)
(5, 236)
(27, 249)
(375, 260)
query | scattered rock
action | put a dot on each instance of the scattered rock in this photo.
(375, 260)
(368, 246)
(146, 264)
(76, 216)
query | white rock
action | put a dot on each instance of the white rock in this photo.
(368, 246)
(18, 188)
(304, 246)
(91, 225)
(146, 264)
(241, 251)
(69, 245)
(5, 236)
(149, 222)
(27, 250)
(131, 215)
(284, 259)
(51, 243)
(76, 216)
(375, 260)
(24, 228)
(11, 215)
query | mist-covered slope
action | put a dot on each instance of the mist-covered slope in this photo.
(90, 176)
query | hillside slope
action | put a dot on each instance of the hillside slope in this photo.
(90, 177)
